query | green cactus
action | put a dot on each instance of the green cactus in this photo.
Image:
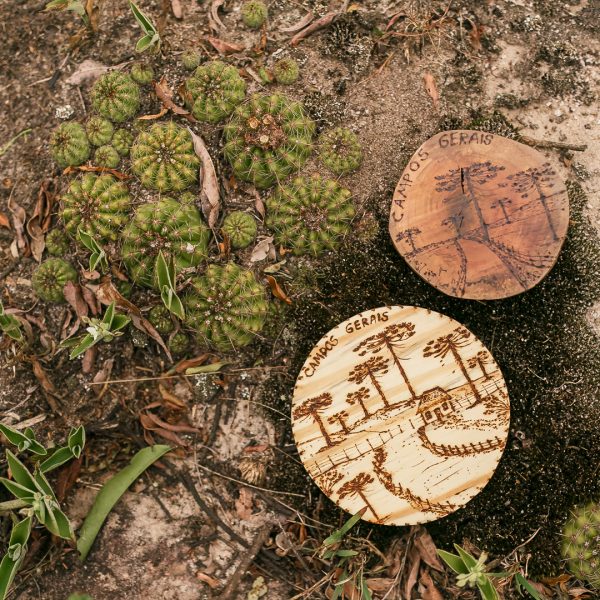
(311, 214)
(69, 145)
(160, 317)
(142, 73)
(581, 544)
(254, 13)
(124, 288)
(227, 306)
(191, 59)
(50, 278)
(106, 156)
(163, 158)
(340, 150)
(116, 96)
(268, 138)
(240, 227)
(99, 130)
(167, 225)
(57, 243)
(122, 141)
(178, 343)
(286, 71)
(215, 89)
(99, 204)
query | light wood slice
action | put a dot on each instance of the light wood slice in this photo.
(478, 215)
(401, 410)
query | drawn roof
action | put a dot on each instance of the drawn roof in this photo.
(432, 398)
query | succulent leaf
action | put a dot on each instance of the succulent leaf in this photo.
(142, 73)
(122, 141)
(57, 243)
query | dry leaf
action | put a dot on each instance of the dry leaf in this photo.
(381, 584)
(315, 26)
(263, 249)
(176, 8)
(259, 205)
(92, 13)
(39, 222)
(244, 504)
(89, 358)
(165, 95)
(163, 111)
(171, 400)
(213, 15)
(179, 428)
(4, 222)
(88, 70)
(74, 296)
(223, 47)
(187, 363)
(211, 581)
(42, 377)
(432, 90)
(277, 290)
(429, 591)
(87, 168)
(209, 192)
(301, 24)
(19, 216)
(104, 373)
(427, 549)
(414, 562)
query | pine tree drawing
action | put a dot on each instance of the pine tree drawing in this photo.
(359, 397)
(356, 487)
(376, 365)
(341, 418)
(481, 359)
(311, 408)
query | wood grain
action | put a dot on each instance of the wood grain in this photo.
(479, 216)
(402, 410)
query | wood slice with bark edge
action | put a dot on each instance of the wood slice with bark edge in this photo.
(402, 410)
(479, 216)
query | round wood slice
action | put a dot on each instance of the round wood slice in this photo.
(479, 216)
(402, 411)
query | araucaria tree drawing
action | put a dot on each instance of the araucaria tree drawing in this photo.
(356, 487)
(409, 235)
(450, 344)
(359, 397)
(376, 365)
(481, 359)
(392, 338)
(340, 418)
(536, 179)
(311, 408)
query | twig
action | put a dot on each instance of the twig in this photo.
(551, 144)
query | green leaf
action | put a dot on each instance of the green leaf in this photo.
(143, 21)
(338, 534)
(59, 457)
(43, 485)
(19, 472)
(18, 491)
(23, 441)
(366, 592)
(76, 440)
(488, 591)
(56, 522)
(521, 582)
(468, 559)
(212, 368)
(10, 325)
(119, 322)
(98, 256)
(83, 344)
(166, 277)
(110, 493)
(454, 562)
(144, 43)
(17, 549)
(346, 553)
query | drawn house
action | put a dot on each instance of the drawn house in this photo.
(435, 405)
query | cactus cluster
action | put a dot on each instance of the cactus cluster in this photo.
(340, 150)
(99, 204)
(267, 139)
(163, 158)
(286, 71)
(142, 73)
(49, 279)
(69, 145)
(99, 131)
(176, 229)
(581, 544)
(254, 13)
(116, 96)
(227, 306)
(215, 89)
(240, 228)
(311, 214)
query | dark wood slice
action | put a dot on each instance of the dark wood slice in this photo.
(479, 216)
(403, 411)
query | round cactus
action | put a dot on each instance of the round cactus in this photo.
(191, 59)
(69, 145)
(178, 343)
(227, 306)
(311, 214)
(142, 73)
(99, 204)
(240, 227)
(286, 71)
(50, 278)
(122, 141)
(107, 156)
(581, 544)
(215, 89)
(254, 13)
(124, 288)
(99, 130)
(167, 225)
(160, 317)
(340, 151)
(116, 96)
(57, 243)
(268, 138)
(163, 158)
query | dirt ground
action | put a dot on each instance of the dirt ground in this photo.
(513, 67)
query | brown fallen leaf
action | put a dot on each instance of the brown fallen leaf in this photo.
(104, 373)
(177, 427)
(259, 205)
(428, 591)
(177, 9)
(210, 201)
(67, 477)
(211, 581)
(87, 168)
(163, 111)
(263, 249)
(19, 216)
(91, 301)
(381, 584)
(39, 222)
(42, 377)
(301, 24)
(165, 94)
(277, 290)
(92, 13)
(4, 222)
(213, 15)
(427, 549)
(89, 358)
(74, 296)
(315, 26)
(244, 504)
(170, 399)
(223, 47)
(88, 70)
(414, 562)
(432, 90)
(187, 363)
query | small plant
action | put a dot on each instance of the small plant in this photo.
(310, 214)
(215, 89)
(97, 256)
(142, 73)
(69, 145)
(57, 243)
(165, 278)
(98, 204)
(98, 330)
(581, 543)
(50, 277)
(340, 151)
(116, 96)
(10, 325)
(151, 37)
(160, 317)
(240, 227)
(164, 159)
(191, 59)
(267, 139)
(122, 141)
(286, 71)
(254, 13)
(75, 6)
(99, 130)
(179, 343)
(106, 156)
(168, 226)
(227, 306)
